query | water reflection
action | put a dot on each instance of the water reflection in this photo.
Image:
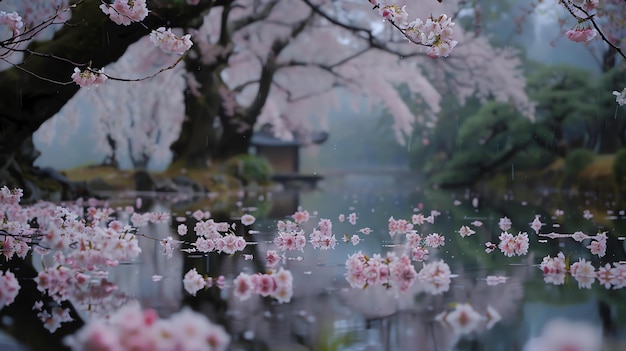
(489, 302)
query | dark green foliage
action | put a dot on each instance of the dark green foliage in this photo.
(577, 160)
(249, 169)
(565, 100)
(491, 140)
(619, 167)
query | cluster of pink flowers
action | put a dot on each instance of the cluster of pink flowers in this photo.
(614, 277)
(278, 285)
(418, 246)
(272, 259)
(598, 244)
(210, 238)
(399, 226)
(169, 42)
(290, 240)
(13, 21)
(125, 12)
(581, 34)
(513, 245)
(194, 282)
(555, 270)
(9, 288)
(88, 77)
(132, 328)
(52, 319)
(436, 33)
(322, 237)
(391, 272)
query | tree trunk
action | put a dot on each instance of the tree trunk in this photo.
(236, 136)
(199, 136)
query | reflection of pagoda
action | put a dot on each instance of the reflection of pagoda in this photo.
(284, 155)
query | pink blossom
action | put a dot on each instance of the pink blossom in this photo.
(395, 14)
(536, 224)
(13, 21)
(243, 286)
(9, 288)
(583, 272)
(169, 42)
(507, 244)
(301, 216)
(463, 319)
(271, 258)
(193, 281)
(562, 334)
(466, 231)
(182, 229)
(620, 97)
(581, 34)
(579, 236)
(435, 240)
(504, 224)
(352, 217)
(264, 284)
(496, 280)
(436, 277)
(598, 246)
(88, 77)
(124, 12)
(355, 240)
(419, 254)
(247, 219)
(365, 230)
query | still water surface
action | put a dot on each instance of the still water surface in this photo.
(326, 313)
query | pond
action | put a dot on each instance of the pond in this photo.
(364, 262)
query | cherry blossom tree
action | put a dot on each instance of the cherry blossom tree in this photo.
(37, 82)
(283, 63)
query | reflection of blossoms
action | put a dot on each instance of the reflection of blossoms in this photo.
(436, 277)
(392, 272)
(505, 224)
(584, 273)
(278, 285)
(493, 280)
(560, 334)
(463, 319)
(132, 328)
(612, 276)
